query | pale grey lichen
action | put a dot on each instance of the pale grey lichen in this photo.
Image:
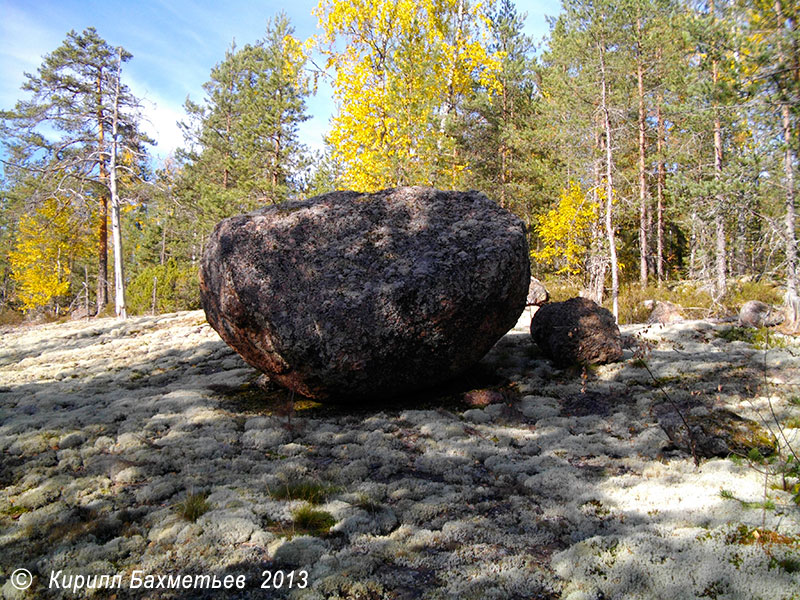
(547, 495)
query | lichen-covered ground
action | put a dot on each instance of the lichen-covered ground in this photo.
(574, 486)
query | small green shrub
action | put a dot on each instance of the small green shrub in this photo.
(310, 521)
(737, 334)
(14, 511)
(762, 338)
(193, 507)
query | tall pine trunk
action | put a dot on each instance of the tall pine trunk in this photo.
(660, 181)
(792, 302)
(597, 262)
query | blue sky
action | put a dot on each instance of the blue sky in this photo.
(174, 45)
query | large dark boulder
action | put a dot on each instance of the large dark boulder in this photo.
(577, 331)
(354, 295)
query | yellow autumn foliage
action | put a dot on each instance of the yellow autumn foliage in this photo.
(565, 230)
(401, 67)
(40, 261)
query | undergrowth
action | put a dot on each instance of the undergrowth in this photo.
(761, 338)
(692, 296)
(784, 465)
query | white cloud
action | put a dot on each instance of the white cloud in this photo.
(160, 122)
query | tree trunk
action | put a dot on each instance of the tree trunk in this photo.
(597, 264)
(791, 300)
(693, 246)
(275, 166)
(503, 167)
(116, 233)
(162, 255)
(643, 249)
(612, 244)
(102, 218)
(503, 148)
(226, 176)
(721, 283)
(660, 191)
(102, 253)
(451, 100)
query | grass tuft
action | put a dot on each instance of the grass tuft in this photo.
(310, 521)
(312, 492)
(193, 507)
(364, 502)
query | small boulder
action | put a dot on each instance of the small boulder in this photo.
(352, 295)
(537, 294)
(483, 398)
(577, 331)
(759, 314)
(663, 312)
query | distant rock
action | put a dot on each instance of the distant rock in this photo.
(663, 312)
(577, 331)
(356, 295)
(537, 294)
(759, 314)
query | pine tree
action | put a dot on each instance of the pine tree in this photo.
(243, 141)
(773, 69)
(73, 95)
(587, 90)
(501, 137)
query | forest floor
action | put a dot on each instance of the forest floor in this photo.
(147, 449)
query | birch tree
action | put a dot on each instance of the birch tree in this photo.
(403, 69)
